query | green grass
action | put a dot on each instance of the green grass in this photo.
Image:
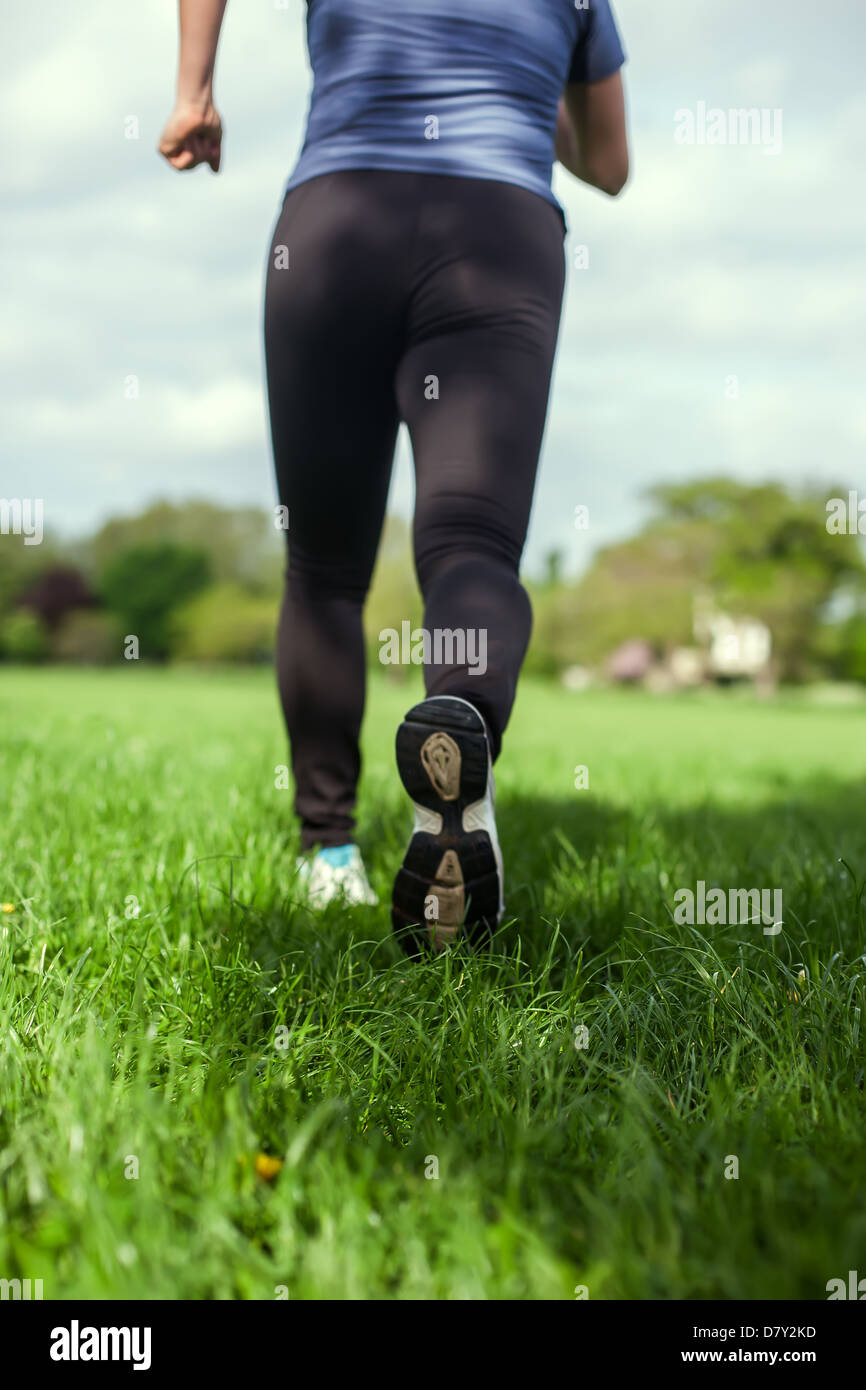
(155, 1037)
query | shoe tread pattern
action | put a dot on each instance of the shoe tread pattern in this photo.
(456, 868)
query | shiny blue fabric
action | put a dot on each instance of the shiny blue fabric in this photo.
(460, 87)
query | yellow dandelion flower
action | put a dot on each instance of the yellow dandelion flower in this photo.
(7, 907)
(268, 1167)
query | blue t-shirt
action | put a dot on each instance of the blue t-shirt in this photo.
(465, 87)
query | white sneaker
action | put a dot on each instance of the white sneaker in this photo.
(451, 880)
(332, 876)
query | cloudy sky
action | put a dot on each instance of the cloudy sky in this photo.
(718, 262)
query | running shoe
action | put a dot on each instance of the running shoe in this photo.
(450, 884)
(336, 873)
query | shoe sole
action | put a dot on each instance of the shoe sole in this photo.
(450, 884)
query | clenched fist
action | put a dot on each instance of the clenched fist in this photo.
(192, 135)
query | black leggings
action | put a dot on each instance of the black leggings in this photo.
(429, 299)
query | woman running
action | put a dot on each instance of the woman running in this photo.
(416, 274)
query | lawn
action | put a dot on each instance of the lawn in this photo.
(565, 1114)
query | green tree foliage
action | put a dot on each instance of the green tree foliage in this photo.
(23, 637)
(842, 650)
(242, 544)
(757, 549)
(225, 623)
(143, 585)
(852, 665)
(21, 566)
(773, 558)
(394, 596)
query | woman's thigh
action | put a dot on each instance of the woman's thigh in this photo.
(333, 322)
(474, 381)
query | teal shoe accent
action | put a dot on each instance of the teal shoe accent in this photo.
(338, 856)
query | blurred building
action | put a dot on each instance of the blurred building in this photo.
(735, 648)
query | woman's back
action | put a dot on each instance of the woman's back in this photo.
(461, 87)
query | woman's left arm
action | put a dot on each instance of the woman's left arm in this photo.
(591, 133)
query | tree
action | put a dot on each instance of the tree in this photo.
(23, 638)
(21, 565)
(756, 548)
(242, 544)
(773, 558)
(394, 596)
(225, 623)
(57, 592)
(145, 584)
